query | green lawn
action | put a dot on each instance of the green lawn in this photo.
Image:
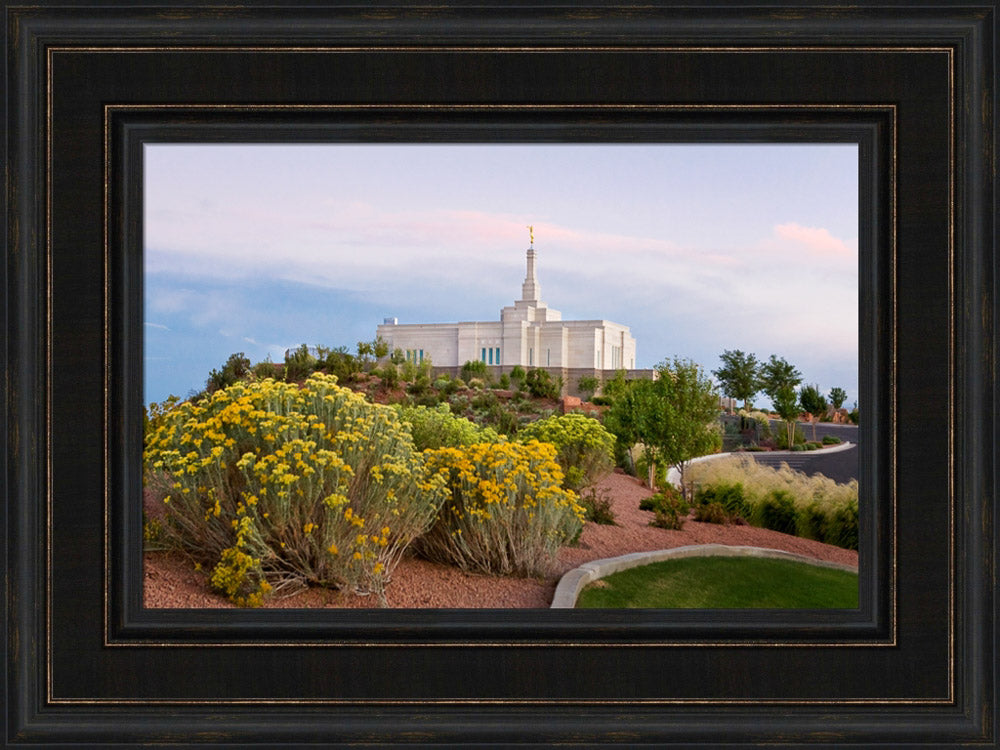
(724, 582)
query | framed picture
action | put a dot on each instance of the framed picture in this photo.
(97, 95)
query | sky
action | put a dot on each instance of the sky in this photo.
(699, 248)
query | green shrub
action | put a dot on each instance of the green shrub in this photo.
(587, 386)
(601, 400)
(541, 385)
(474, 368)
(777, 512)
(269, 484)
(598, 507)
(389, 375)
(507, 513)
(711, 513)
(831, 440)
(781, 439)
(811, 523)
(504, 382)
(299, 363)
(841, 527)
(345, 366)
(812, 446)
(236, 368)
(585, 450)
(437, 427)
(730, 496)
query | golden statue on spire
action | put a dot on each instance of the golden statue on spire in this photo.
(531, 234)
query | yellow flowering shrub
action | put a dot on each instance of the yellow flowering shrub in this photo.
(270, 484)
(508, 513)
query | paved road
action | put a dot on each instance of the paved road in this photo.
(841, 466)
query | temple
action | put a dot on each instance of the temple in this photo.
(529, 333)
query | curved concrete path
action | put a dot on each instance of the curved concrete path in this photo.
(573, 582)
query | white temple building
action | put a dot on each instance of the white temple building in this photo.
(529, 333)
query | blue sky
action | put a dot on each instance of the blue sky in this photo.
(698, 248)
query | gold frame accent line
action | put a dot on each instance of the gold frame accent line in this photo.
(109, 108)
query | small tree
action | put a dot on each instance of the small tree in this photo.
(674, 416)
(776, 374)
(786, 403)
(812, 401)
(587, 386)
(837, 397)
(739, 375)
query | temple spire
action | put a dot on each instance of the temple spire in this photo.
(530, 290)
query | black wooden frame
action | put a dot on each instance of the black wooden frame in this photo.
(914, 84)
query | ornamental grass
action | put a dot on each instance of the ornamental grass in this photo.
(507, 514)
(270, 484)
(813, 507)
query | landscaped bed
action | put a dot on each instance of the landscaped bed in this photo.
(724, 582)
(170, 580)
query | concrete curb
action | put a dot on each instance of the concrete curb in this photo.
(674, 476)
(573, 582)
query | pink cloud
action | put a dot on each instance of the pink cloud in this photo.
(815, 239)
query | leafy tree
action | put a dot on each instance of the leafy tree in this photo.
(813, 401)
(786, 403)
(236, 368)
(673, 416)
(369, 352)
(587, 386)
(739, 375)
(837, 397)
(776, 374)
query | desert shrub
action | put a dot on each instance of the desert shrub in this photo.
(823, 509)
(668, 506)
(236, 368)
(420, 386)
(587, 386)
(541, 385)
(474, 368)
(597, 507)
(272, 484)
(389, 375)
(777, 512)
(477, 384)
(507, 513)
(585, 449)
(831, 440)
(730, 495)
(504, 382)
(711, 513)
(346, 367)
(267, 369)
(299, 363)
(437, 427)
(517, 375)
